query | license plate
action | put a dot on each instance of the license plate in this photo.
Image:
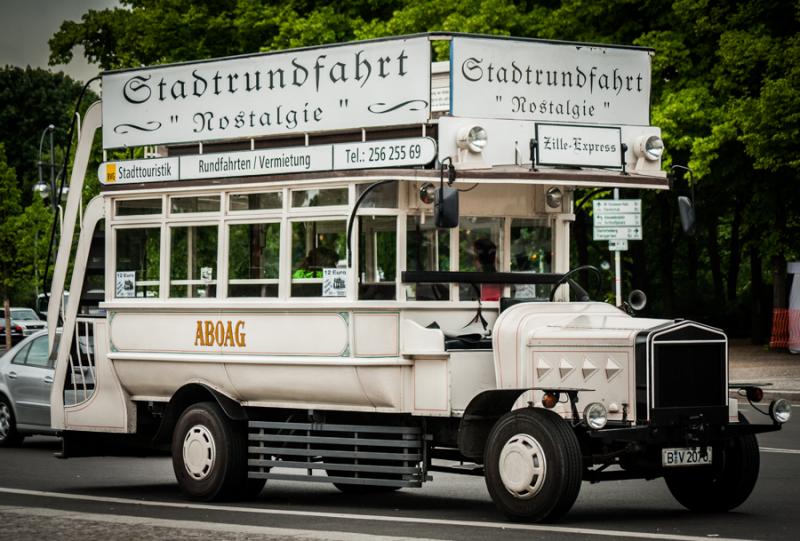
(685, 456)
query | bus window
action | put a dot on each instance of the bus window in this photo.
(377, 257)
(382, 197)
(531, 249)
(193, 261)
(480, 249)
(256, 201)
(139, 251)
(137, 207)
(316, 245)
(319, 198)
(427, 249)
(202, 203)
(253, 259)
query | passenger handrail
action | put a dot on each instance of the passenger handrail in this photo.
(464, 277)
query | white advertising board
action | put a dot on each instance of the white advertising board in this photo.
(256, 162)
(274, 161)
(581, 146)
(379, 83)
(560, 82)
(130, 171)
(394, 153)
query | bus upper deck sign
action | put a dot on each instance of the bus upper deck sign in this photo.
(546, 81)
(378, 83)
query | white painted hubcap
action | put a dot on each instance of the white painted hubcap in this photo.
(199, 452)
(5, 421)
(522, 466)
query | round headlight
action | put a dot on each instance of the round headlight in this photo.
(780, 410)
(553, 198)
(653, 148)
(474, 138)
(595, 415)
(427, 193)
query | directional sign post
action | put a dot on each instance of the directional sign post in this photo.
(618, 221)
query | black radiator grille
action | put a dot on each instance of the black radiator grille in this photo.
(689, 374)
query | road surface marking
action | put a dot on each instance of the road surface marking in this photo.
(776, 450)
(185, 525)
(365, 517)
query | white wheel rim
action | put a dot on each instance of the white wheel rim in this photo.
(199, 452)
(522, 466)
(5, 421)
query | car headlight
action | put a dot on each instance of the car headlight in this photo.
(595, 415)
(780, 410)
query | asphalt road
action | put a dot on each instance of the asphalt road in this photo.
(111, 498)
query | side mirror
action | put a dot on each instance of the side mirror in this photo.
(686, 209)
(446, 205)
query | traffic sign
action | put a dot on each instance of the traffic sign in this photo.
(617, 233)
(618, 245)
(618, 219)
(617, 206)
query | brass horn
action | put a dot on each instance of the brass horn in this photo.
(637, 299)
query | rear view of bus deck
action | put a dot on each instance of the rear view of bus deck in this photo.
(343, 264)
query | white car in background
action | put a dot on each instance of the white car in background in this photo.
(28, 319)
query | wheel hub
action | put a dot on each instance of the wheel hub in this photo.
(5, 421)
(199, 452)
(522, 466)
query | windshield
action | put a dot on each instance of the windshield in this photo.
(24, 314)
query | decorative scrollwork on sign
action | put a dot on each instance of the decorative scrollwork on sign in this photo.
(412, 105)
(153, 125)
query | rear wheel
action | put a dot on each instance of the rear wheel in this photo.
(8, 425)
(725, 484)
(209, 455)
(533, 465)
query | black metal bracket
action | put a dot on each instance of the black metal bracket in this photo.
(534, 146)
(624, 149)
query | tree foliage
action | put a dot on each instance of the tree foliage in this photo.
(30, 100)
(726, 76)
(23, 238)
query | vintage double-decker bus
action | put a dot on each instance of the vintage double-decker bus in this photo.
(350, 264)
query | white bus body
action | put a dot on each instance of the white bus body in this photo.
(245, 330)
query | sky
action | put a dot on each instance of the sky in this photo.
(27, 25)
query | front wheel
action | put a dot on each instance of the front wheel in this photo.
(533, 465)
(8, 425)
(725, 484)
(209, 455)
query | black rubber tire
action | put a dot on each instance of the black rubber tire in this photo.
(562, 455)
(227, 478)
(724, 485)
(11, 435)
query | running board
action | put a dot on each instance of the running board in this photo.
(390, 456)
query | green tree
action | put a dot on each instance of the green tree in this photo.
(30, 100)
(21, 241)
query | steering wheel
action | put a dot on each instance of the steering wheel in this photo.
(583, 296)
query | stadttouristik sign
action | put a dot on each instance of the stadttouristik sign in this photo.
(411, 151)
(561, 82)
(368, 84)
